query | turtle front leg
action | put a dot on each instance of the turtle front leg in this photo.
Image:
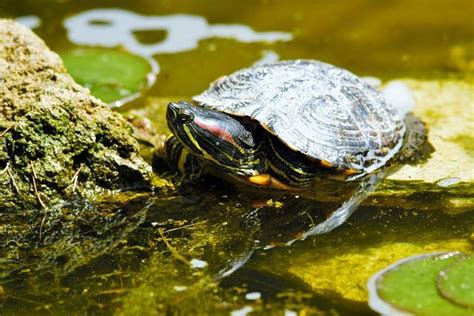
(188, 167)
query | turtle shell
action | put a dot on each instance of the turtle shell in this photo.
(320, 110)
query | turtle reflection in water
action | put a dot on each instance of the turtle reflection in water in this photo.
(301, 126)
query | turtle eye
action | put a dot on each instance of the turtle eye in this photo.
(185, 117)
(247, 138)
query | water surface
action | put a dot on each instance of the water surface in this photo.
(136, 256)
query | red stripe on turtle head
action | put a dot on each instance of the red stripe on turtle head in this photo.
(215, 130)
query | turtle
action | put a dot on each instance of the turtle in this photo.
(285, 124)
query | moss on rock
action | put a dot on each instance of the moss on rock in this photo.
(56, 140)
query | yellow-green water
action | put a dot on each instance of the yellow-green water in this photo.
(139, 267)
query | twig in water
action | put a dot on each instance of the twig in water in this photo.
(115, 291)
(173, 250)
(186, 226)
(21, 299)
(311, 219)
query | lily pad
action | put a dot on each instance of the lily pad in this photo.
(456, 282)
(114, 76)
(409, 287)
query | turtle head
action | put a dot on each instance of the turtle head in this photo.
(216, 137)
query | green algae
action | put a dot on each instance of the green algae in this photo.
(419, 195)
(372, 239)
(466, 141)
(154, 247)
(39, 249)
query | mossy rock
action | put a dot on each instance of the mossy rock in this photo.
(57, 141)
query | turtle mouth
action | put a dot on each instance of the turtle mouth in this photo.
(171, 113)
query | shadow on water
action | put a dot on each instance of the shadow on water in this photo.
(39, 248)
(90, 252)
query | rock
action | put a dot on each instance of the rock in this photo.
(56, 140)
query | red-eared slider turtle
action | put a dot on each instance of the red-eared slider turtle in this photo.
(283, 125)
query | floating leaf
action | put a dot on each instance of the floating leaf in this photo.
(409, 286)
(111, 75)
(456, 282)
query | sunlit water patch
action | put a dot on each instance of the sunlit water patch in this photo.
(115, 27)
(182, 32)
(31, 21)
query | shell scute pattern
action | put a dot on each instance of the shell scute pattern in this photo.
(321, 110)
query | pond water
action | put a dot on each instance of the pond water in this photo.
(204, 249)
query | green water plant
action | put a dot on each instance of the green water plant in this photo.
(114, 76)
(428, 284)
(456, 282)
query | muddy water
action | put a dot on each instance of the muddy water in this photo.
(166, 257)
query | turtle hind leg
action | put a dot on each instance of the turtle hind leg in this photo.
(416, 147)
